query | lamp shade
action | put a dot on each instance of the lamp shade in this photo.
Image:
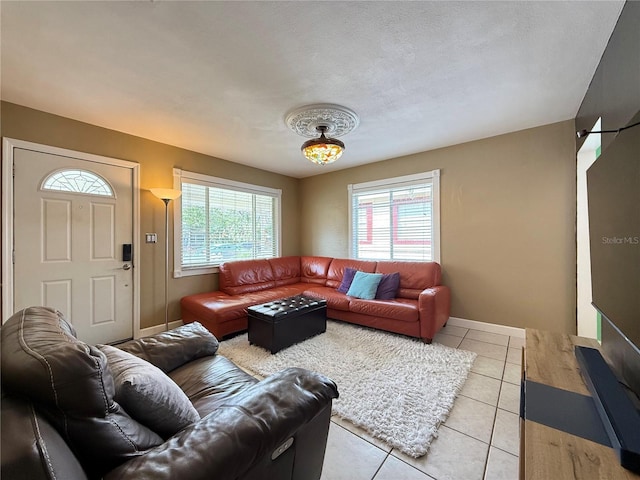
(166, 193)
(322, 150)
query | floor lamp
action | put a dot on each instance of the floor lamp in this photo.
(166, 195)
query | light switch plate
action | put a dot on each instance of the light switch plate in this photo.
(151, 237)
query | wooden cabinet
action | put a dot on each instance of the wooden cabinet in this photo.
(548, 453)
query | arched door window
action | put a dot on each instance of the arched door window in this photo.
(77, 181)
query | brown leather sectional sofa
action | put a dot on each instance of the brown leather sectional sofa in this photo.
(63, 415)
(421, 306)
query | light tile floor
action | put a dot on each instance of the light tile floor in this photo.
(479, 440)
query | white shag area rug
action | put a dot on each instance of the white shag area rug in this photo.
(396, 388)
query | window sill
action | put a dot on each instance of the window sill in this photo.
(188, 272)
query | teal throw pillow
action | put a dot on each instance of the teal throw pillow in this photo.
(365, 285)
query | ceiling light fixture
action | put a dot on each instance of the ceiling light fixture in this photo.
(322, 150)
(330, 121)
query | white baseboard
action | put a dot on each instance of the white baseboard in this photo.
(145, 332)
(487, 327)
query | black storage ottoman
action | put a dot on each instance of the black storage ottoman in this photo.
(281, 323)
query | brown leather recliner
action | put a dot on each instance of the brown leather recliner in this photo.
(61, 419)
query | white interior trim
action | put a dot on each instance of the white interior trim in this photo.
(394, 181)
(145, 332)
(487, 327)
(8, 147)
(586, 316)
(435, 212)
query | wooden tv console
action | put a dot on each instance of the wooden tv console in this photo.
(549, 362)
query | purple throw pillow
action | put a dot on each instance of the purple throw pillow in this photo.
(347, 279)
(388, 286)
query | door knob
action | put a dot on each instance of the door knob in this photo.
(126, 266)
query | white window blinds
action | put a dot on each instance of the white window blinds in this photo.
(396, 219)
(221, 220)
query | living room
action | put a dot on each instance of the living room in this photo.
(507, 201)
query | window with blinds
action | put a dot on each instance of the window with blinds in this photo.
(222, 220)
(396, 218)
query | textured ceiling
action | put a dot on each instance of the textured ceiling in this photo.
(220, 77)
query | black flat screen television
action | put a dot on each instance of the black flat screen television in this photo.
(613, 189)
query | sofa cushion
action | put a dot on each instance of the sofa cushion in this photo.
(414, 276)
(364, 285)
(335, 300)
(216, 306)
(170, 350)
(210, 381)
(245, 276)
(388, 287)
(314, 269)
(347, 279)
(401, 309)
(148, 394)
(286, 270)
(71, 384)
(335, 274)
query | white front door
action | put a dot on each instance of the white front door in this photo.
(71, 219)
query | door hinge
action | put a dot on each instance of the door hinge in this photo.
(13, 257)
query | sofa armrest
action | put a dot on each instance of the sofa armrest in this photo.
(172, 349)
(434, 305)
(229, 441)
(31, 447)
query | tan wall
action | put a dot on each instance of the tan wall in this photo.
(507, 208)
(156, 163)
(507, 223)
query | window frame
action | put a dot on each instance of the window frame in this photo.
(432, 177)
(180, 176)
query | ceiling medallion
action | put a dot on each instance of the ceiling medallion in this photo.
(324, 119)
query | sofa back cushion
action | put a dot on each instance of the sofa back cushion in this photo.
(286, 270)
(172, 349)
(71, 384)
(414, 276)
(314, 269)
(338, 266)
(246, 276)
